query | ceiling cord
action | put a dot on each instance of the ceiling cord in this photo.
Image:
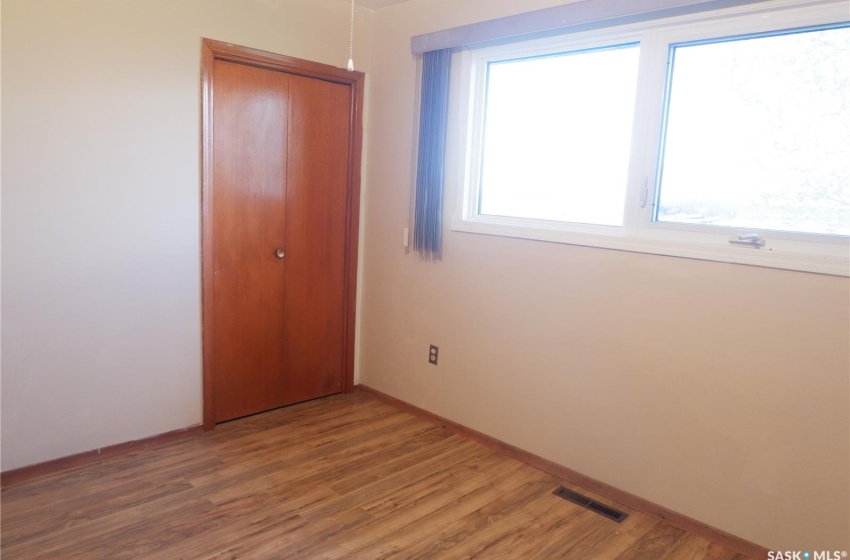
(351, 41)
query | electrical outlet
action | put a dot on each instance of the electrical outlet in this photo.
(432, 356)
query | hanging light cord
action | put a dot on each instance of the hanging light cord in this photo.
(351, 41)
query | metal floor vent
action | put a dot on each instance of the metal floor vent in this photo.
(592, 505)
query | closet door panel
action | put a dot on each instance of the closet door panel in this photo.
(250, 128)
(316, 225)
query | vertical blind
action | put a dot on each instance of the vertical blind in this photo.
(433, 113)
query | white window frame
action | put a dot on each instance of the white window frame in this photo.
(805, 252)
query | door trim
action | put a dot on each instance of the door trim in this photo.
(216, 50)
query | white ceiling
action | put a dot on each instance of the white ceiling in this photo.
(375, 4)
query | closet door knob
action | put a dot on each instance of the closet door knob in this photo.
(279, 253)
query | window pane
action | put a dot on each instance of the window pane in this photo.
(758, 134)
(557, 136)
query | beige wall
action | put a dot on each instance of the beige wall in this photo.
(717, 390)
(100, 223)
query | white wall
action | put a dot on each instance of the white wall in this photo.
(717, 390)
(101, 203)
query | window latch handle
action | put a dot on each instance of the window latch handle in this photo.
(748, 240)
(644, 195)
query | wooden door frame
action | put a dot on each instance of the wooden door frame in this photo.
(216, 50)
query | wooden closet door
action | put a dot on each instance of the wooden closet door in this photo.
(250, 129)
(281, 163)
(316, 225)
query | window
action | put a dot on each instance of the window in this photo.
(756, 133)
(548, 143)
(723, 136)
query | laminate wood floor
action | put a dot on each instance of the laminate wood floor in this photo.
(340, 477)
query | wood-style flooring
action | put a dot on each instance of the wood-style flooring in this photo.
(340, 477)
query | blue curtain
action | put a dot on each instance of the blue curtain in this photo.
(433, 113)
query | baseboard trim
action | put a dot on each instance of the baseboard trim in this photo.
(25, 474)
(737, 544)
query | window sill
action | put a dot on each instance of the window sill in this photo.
(835, 260)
